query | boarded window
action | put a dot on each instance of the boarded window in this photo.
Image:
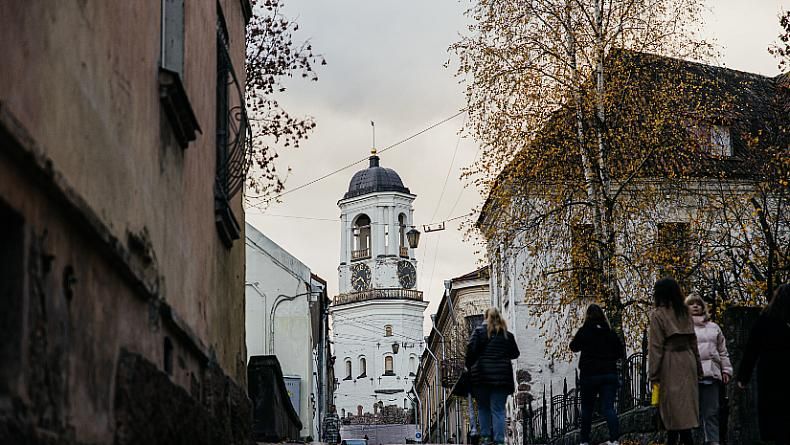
(12, 272)
(585, 276)
(388, 331)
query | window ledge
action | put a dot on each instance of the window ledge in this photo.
(389, 373)
(177, 107)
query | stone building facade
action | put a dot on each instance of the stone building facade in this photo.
(460, 310)
(121, 269)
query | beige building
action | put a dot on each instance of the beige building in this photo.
(121, 267)
(442, 416)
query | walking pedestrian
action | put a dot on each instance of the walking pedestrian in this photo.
(600, 349)
(716, 367)
(674, 362)
(488, 355)
(332, 426)
(768, 347)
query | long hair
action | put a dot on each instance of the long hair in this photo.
(779, 306)
(595, 314)
(495, 322)
(667, 293)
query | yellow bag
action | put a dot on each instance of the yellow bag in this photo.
(654, 399)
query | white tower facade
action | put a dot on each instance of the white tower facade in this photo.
(377, 315)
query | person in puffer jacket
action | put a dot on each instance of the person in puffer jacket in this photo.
(488, 354)
(716, 367)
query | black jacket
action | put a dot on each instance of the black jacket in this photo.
(769, 349)
(600, 347)
(488, 359)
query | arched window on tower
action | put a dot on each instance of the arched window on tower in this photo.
(388, 330)
(361, 229)
(404, 249)
(348, 369)
(388, 366)
(363, 368)
(412, 365)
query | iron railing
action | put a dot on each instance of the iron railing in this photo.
(360, 254)
(379, 294)
(560, 413)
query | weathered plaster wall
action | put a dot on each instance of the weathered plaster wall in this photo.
(96, 63)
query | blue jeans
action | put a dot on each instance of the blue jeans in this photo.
(604, 386)
(491, 411)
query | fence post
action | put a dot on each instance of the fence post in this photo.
(577, 396)
(543, 424)
(565, 421)
(552, 426)
(644, 385)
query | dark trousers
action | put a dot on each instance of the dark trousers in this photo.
(682, 437)
(592, 387)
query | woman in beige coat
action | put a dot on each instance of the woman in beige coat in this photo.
(674, 362)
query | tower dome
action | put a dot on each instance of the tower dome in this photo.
(374, 179)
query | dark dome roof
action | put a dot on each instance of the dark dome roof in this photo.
(375, 179)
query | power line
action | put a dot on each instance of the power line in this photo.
(365, 327)
(309, 183)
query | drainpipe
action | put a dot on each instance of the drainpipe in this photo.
(280, 299)
(436, 391)
(444, 390)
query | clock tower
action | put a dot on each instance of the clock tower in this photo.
(377, 315)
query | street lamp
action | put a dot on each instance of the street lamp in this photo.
(413, 237)
(395, 347)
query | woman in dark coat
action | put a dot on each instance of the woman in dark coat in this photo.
(488, 355)
(600, 349)
(769, 348)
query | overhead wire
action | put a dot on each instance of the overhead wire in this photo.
(365, 327)
(345, 167)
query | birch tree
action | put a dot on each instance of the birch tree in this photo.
(565, 112)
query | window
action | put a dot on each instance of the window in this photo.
(12, 273)
(388, 366)
(361, 248)
(343, 412)
(359, 410)
(472, 322)
(348, 369)
(171, 55)
(363, 368)
(672, 251)
(585, 275)
(233, 139)
(404, 249)
(388, 330)
(716, 140)
(412, 365)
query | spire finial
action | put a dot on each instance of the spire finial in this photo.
(373, 148)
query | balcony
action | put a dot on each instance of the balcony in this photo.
(378, 294)
(360, 254)
(451, 371)
(404, 251)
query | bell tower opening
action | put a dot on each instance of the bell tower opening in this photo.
(361, 248)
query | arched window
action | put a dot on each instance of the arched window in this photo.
(348, 369)
(363, 367)
(361, 248)
(412, 365)
(388, 366)
(388, 330)
(404, 249)
(359, 410)
(343, 412)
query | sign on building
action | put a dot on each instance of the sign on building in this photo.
(293, 385)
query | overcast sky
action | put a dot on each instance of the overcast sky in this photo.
(385, 62)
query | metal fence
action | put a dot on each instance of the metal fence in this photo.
(558, 414)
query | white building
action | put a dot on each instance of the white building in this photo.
(283, 318)
(377, 316)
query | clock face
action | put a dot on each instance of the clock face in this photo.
(360, 277)
(406, 274)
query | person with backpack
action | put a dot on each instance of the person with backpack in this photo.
(600, 349)
(674, 362)
(716, 367)
(488, 354)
